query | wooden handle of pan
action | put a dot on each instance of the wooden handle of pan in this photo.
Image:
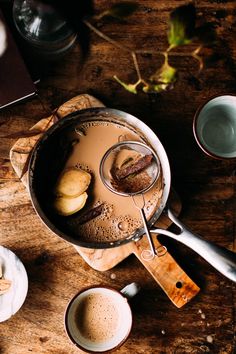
(167, 273)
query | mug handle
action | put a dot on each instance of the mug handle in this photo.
(130, 290)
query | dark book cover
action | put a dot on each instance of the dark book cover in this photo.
(15, 81)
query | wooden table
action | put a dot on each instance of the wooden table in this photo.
(206, 186)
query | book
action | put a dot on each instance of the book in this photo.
(16, 83)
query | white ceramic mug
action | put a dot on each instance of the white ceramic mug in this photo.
(214, 127)
(99, 319)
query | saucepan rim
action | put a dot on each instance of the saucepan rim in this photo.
(121, 116)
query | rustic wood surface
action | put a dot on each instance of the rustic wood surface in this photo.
(206, 187)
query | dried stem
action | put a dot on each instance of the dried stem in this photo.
(105, 37)
(197, 57)
(134, 56)
(126, 49)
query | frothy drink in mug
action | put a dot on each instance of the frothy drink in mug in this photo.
(99, 319)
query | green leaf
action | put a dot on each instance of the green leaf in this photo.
(120, 10)
(165, 75)
(149, 88)
(129, 87)
(182, 25)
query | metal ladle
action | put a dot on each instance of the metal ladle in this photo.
(114, 184)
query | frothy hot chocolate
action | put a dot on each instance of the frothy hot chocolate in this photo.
(119, 217)
(97, 318)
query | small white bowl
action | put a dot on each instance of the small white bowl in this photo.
(13, 270)
(214, 127)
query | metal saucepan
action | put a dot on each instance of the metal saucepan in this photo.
(45, 165)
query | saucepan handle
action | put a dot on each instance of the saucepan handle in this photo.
(220, 258)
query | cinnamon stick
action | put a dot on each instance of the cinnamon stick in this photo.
(91, 214)
(138, 166)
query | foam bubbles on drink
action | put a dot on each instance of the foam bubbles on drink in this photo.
(84, 167)
(108, 228)
(97, 318)
(119, 218)
(125, 225)
(107, 211)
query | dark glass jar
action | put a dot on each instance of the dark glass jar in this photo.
(43, 28)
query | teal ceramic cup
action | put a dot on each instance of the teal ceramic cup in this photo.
(214, 127)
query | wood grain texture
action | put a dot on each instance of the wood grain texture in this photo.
(207, 189)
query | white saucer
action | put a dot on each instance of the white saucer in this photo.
(14, 270)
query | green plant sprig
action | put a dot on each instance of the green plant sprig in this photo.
(182, 31)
